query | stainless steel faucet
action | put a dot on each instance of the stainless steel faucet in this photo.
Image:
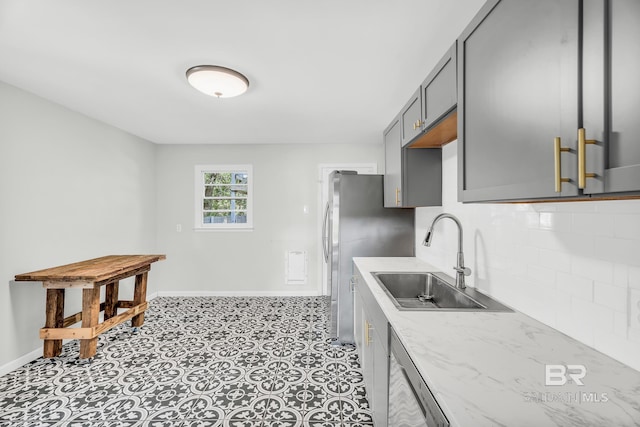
(460, 269)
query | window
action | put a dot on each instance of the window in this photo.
(223, 197)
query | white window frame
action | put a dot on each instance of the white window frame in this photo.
(200, 170)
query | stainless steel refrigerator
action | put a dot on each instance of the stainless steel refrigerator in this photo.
(356, 224)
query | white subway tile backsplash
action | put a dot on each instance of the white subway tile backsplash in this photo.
(567, 242)
(576, 207)
(545, 239)
(634, 335)
(627, 227)
(580, 244)
(525, 254)
(610, 296)
(559, 221)
(634, 309)
(592, 315)
(618, 250)
(634, 277)
(528, 219)
(575, 285)
(555, 260)
(541, 277)
(574, 265)
(593, 224)
(593, 269)
(621, 275)
(617, 206)
(620, 324)
(572, 326)
(545, 207)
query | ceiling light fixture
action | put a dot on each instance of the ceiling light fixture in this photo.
(220, 82)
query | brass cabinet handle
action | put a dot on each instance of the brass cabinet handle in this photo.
(417, 124)
(367, 334)
(397, 196)
(557, 149)
(582, 158)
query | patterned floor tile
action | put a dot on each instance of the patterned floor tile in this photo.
(199, 361)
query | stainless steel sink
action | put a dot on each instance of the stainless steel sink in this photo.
(433, 291)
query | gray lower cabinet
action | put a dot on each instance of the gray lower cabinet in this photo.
(518, 91)
(372, 344)
(413, 176)
(548, 100)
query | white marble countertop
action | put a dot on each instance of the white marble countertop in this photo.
(488, 369)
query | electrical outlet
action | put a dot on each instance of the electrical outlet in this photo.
(634, 310)
(179, 228)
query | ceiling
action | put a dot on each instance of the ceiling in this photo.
(331, 71)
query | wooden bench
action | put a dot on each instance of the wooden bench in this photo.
(89, 276)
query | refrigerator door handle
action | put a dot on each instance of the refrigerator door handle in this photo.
(325, 238)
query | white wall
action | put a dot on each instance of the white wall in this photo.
(246, 262)
(574, 266)
(71, 188)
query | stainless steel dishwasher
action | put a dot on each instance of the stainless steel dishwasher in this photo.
(411, 403)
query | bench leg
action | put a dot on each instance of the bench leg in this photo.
(139, 296)
(90, 318)
(111, 300)
(54, 319)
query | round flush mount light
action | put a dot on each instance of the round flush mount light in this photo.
(217, 81)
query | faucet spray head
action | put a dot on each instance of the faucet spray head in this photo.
(427, 238)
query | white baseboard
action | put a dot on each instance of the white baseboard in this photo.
(238, 294)
(22, 360)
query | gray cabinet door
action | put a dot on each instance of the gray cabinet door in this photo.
(439, 90)
(380, 393)
(518, 91)
(411, 118)
(611, 99)
(421, 177)
(412, 176)
(392, 165)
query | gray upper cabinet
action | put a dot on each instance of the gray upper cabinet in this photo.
(548, 101)
(413, 176)
(411, 118)
(421, 177)
(611, 98)
(439, 90)
(392, 164)
(518, 95)
(434, 100)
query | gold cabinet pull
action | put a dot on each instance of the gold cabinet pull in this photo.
(417, 124)
(397, 196)
(557, 149)
(367, 334)
(582, 158)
